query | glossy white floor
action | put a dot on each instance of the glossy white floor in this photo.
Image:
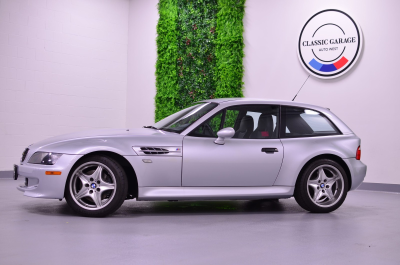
(365, 230)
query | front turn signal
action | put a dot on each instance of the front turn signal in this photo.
(53, 172)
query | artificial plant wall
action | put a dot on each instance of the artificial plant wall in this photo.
(167, 96)
(200, 52)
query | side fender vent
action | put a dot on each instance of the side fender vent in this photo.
(154, 150)
(158, 150)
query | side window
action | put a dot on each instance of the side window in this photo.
(230, 118)
(248, 121)
(209, 128)
(300, 122)
(253, 121)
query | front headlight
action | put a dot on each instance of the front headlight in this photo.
(44, 158)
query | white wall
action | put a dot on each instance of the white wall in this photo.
(63, 68)
(366, 98)
(66, 66)
(142, 56)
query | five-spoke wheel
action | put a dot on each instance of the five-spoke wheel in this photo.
(96, 187)
(325, 185)
(322, 187)
(93, 185)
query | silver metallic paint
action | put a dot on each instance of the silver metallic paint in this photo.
(225, 133)
(298, 151)
(46, 186)
(165, 171)
(358, 171)
(207, 164)
(214, 193)
(119, 141)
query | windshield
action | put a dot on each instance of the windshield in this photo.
(179, 121)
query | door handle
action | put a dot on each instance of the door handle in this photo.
(269, 150)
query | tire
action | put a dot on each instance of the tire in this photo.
(96, 187)
(322, 187)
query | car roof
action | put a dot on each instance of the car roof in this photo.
(264, 101)
(242, 101)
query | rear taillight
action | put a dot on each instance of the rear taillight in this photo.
(358, 154)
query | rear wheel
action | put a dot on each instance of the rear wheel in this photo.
(322, 187)
(97, 186)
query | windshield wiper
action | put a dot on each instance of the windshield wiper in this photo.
(150, 127)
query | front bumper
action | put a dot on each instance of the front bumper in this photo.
(358, 170)
(40, 185)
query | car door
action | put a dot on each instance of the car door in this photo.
(253, 156)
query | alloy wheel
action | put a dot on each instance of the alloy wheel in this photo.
(325, 185)
(93, 185)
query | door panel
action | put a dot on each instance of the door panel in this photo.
(239, 162)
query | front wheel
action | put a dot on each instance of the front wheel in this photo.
(322, 187)
(97, 186)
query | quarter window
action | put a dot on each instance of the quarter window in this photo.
(300, 122)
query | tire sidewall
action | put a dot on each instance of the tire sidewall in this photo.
(301, 189)
(120, 192)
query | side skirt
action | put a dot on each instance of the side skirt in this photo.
(213, 193)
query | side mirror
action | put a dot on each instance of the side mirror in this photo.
(223, 134)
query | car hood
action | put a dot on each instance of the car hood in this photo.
(122, 139)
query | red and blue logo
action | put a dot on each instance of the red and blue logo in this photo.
(328, 67)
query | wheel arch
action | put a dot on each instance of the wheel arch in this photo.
(335, 158)
(129, 171)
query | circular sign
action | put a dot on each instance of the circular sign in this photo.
(329, 44)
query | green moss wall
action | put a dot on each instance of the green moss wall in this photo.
(200, 52)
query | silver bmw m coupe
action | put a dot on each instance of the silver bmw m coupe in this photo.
(219, 149)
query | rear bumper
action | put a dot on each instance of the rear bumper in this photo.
(358, 170)
(40, 185)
